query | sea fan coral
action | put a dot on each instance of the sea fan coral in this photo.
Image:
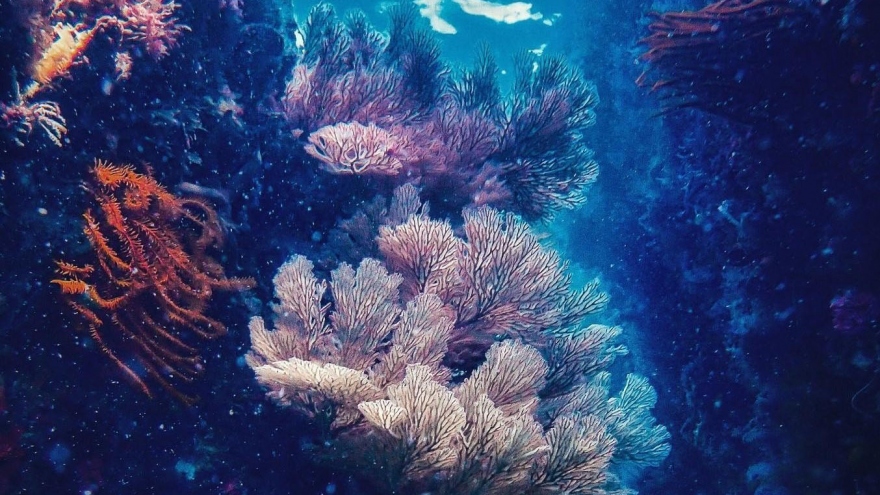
(499, 280)
(456, 138)
(353, 148)
(530, 412)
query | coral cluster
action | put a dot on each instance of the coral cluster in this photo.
(365, 103)
(147, 298)
(457, 365)
(62, 33)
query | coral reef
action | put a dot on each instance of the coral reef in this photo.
(367, 355)
(363, 103)
(205, 104)
(149, 295)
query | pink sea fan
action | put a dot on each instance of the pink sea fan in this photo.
(454, 141)
(152, 23)
(313, 98)
(353, 148)
(456, 138)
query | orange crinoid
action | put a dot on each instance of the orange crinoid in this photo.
(145, 297)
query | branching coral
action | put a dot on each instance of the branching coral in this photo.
(529, 412)
(152, 24)
(65, 51)
(147, 298)
(23, 117)
(455, 137)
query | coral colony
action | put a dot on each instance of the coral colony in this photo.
(453, 364)
(365, 104)
(459, 357)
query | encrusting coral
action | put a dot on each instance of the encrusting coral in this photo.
(367, 356)
(147, 298)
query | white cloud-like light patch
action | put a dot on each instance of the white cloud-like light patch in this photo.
(551, 19)
(499, 12)
(430, 9)
(508, 13)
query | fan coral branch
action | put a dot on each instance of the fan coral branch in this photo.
(421, 336)
(640, 440)
(580, 451)
(422, 419)
(425, 252)
(352, 148)
(511, 284)
(365, 304)
(579, 354)
(511, 377)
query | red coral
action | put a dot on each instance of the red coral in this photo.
(148, 296)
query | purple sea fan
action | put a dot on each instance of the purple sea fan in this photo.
(364, 103)
(348, 72)
(546, 164)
